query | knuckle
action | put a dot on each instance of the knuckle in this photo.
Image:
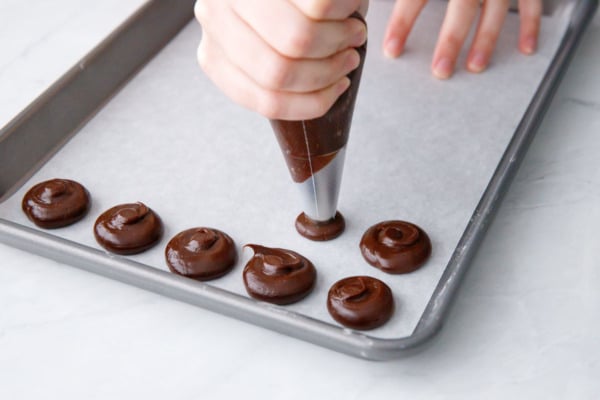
(401, 21)
(319, 8)
(450, 42)
(299, 41)
(268, 105)
(200, 10)
(401, 24)
(486, 39)
(532, 23)
(278, 73)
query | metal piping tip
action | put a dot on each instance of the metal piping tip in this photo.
(320, 192)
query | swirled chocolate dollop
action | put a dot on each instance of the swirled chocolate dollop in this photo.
(278, 276)
(320, 230)
(56, 203)
(201, 253)
(360, 302)
(128, 228)
(396, 247)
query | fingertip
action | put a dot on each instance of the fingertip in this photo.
(359, 33)
(352, 60)
(530, 14)
(342, 86)
(323, 100)
(392, 48)
(477, 62)
(400, 24)
(528, 45)
(443, 68)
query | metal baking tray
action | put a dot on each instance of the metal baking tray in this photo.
(47, 128)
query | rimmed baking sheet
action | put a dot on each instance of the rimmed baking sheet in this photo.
(420, 150)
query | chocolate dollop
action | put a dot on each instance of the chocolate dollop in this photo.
(320, 230)
(278, 276)
(309, 145)
(128, 228)
(201, 253)
(396, 247)
(360, 302)
(56, 203)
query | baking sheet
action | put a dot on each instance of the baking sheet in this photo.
(420, 150)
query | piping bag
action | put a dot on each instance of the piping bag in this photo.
(314, 149)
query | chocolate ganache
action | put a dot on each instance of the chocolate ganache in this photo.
(360, 302)
(278, 276)
(310, 145)
(128, 228)
(201, 253)
(320, 230)
(396, 247)
(56, 203)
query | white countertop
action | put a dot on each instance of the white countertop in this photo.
(525, 324)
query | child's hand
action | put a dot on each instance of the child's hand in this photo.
(285, 59)
(460, 15)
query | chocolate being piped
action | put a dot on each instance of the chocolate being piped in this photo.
(396, 247)
(360, 302)
(201, 253)
(56, 203)
(128, 228)
(310, 146)
(278, 276)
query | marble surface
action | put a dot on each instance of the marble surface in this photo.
(524, 325)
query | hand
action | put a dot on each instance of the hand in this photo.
(460, 15)
(285, 59)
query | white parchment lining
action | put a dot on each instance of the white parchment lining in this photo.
(420, 149)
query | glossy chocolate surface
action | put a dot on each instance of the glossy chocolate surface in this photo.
(278, 276)
(310, 145)
(320, 230)
(56, 203)
(128, 228)
(201, 253)
(360, 302)
(396, 247)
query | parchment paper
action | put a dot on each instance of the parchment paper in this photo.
(420, 150)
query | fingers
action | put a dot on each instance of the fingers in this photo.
(400, 24)
(295, 35)
(460, 16)
(530, 13)
(455, 28)
(281, 73)
(290, 67)
(493, 13)
(272, 104)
